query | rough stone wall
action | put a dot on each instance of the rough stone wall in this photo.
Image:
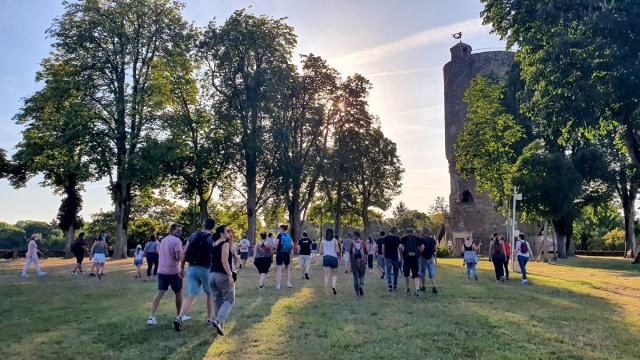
(479, 216)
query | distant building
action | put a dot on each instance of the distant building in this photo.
(471, 214)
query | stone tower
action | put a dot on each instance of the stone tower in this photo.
(471, 214)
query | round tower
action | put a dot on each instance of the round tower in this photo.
(471, 214)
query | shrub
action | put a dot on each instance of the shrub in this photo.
(443, 250)
(614, 240)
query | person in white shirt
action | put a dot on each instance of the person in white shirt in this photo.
(244, 251)
(523, 252)
(32, 257)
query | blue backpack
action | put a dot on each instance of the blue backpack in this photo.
(285, 243)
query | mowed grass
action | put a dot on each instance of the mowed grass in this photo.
(582, 308)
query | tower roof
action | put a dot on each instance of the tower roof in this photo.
(460, 50)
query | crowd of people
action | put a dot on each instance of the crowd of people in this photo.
(214, 260)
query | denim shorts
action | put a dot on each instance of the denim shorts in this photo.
(330, 261)
(198, 278)
(428, 265)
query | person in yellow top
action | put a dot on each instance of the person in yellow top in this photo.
(32, 256)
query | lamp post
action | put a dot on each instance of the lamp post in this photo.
(516, 196)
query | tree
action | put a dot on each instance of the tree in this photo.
(247, 61)
(11, 236)
(579, 61)
(379, 177)
(301, 131)
(116, 45)
(437, 213)
(56, 141)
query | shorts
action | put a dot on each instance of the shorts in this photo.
(283, 259)
(410, 265)
(79, 258)
(330, 261)
(427, 265)
(263, 264)
(244, 255)
(346, 257)
(99, 258)
(381, 261)
(173, 280)
(305, 260)
(198, 278)
(137, 262)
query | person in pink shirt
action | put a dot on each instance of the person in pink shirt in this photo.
(32, 257)
(170, 252)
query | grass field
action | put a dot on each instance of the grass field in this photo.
(582, 308)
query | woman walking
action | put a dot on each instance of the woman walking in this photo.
(151, 252)
(329, 249)
(471, 258)
(221, 282)
(99, 255)
(507, 255)
(498, 259)
(358, 255)
(32, 257)
(262, 259)
(523, 251)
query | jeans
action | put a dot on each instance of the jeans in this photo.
(152, 261)
(472, 267)
(392, 265)
(498, 265)
(223, 290)
(358, 270)
(506, 266)
(522, 261)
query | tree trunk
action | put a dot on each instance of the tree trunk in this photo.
(251, 202)
(70, 235)
(338, 208)
(366, 221)
(204, 209)
(122, 198)
(628, 204)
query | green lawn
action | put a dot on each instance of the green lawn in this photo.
(583, 308)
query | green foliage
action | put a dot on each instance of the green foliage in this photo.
(101, 221)
(443, 251)
(593, 223)
(12, 236)
(140, 229)
(613, 240)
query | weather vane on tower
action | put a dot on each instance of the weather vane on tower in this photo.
(457, 36)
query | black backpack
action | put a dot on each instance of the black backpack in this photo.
(357, 251)
(199, 250)
(411, 249)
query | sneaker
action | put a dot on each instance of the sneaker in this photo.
(209, 323)
(524, 281)
(346, 271)
(434, 291)
(382, 276)
(407, 291)
(92, 274)
(151, 321)
(423, 289)
(177, 323)
(219, 327)
(289, 284)
(24, 275)
(417, 293)
(277, 286)
(476, 277)
(334, 291)
(390, 289)
(361, 291)
(185, 317)
(395, 288)
(99, 276)
(306, 276)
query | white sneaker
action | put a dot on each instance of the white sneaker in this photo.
(289, 284)
(186, 317)
(152, 321)
(42, 274)
(524, 281)
(24, 275)
(277, 286)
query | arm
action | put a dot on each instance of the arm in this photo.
(255, 251)
(182, 260)
(338, 249)
(225, 260)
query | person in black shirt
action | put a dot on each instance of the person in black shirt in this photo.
(410, 247)
(427, 261)
(304, 250)
(380, 255)
(221, 280)
(390, 246)
(79, 249)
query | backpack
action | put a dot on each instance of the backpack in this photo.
(497, 248)
(357, 251)
(524, 247)
(411, 249)
(285, 243)
(199, 250)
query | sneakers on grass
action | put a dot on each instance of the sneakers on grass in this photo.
(219, 327)
(289, 284)
(185, 317)
(177, 323)
(151, 321)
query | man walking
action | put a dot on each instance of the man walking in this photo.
(170, 253)
(283, 255)
(380, 255)
(79, 249)
(346, 257)
(390, 246)
(427, 261)
(244, 251)
(410, 248)
(197, 253)
(304, 251)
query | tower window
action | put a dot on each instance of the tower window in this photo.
(466, 198)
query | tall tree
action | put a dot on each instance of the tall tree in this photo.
(247, 62)
(116, 44)
(301, 127)
(379, 177)
(57, 141)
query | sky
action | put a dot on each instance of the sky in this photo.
(401, 46)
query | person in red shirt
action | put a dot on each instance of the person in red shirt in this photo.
(507, 253)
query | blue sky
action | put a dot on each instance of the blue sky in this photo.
(400, 45)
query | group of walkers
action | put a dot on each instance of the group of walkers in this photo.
(500, 256)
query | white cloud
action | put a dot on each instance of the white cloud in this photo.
(421, 39)
(402, 72)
